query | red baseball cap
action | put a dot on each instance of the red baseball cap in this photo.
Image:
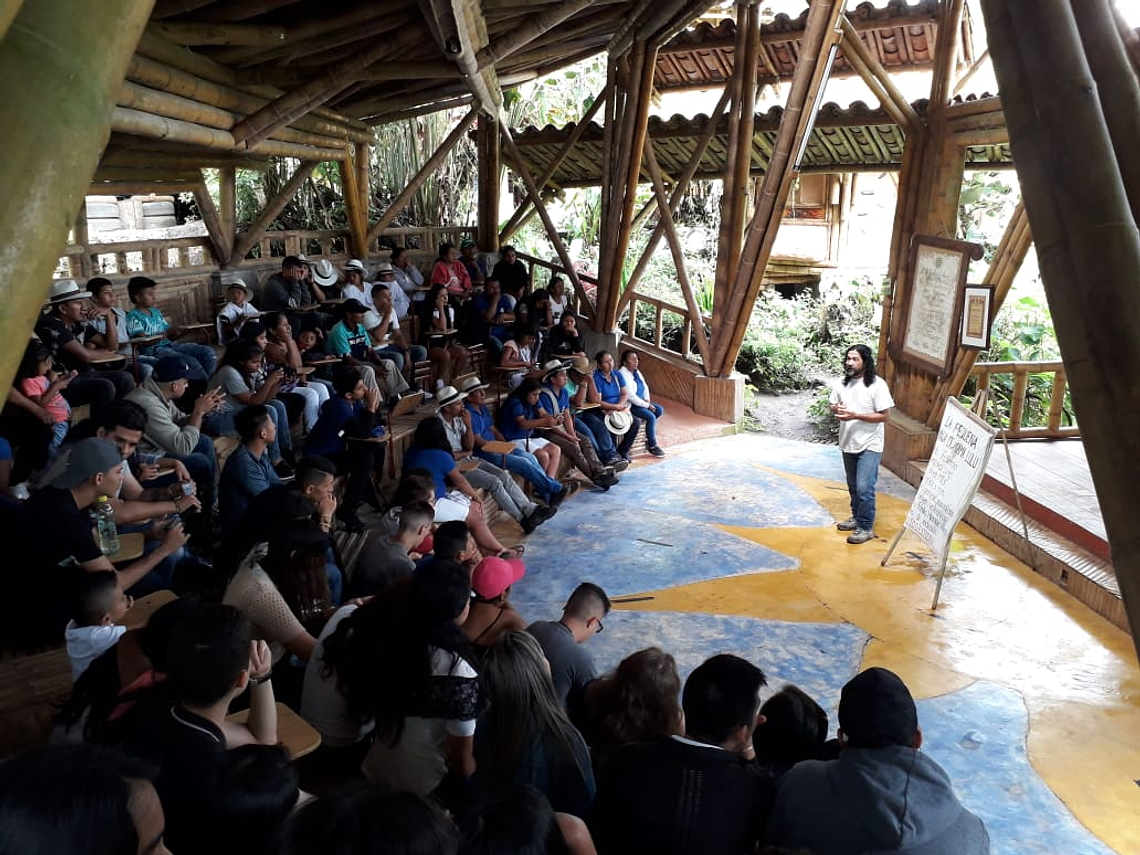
(494, 575)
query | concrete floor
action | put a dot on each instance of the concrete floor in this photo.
(1028, 699)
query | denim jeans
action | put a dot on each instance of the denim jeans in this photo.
(200, 353)
(593, 427)
(862, 472)
(525, 465)
(649, 415)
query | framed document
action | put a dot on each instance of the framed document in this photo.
(977, 316)
(932, 306)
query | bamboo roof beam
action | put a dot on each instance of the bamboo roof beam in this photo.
(429, 168)
(8, 10)
(519, 165)
(244, 242)
(136, 174)
(946, 53)
(471, 30)
(820, 33)
(221, 241)
(580, 126)
(135, 122)
(536, 25)
(181, 162)
(974, 68)
(679, 190)
(442, 104)
(663, 205)
(877, 78)
(379, 106)
(330, 49)
(309, 35)
(261, 35)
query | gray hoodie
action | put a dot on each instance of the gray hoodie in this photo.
(874, 800)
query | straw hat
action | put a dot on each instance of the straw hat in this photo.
(448, 395)
(619, 422)
(324, 273)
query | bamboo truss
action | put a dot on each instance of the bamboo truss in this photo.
(244, 242)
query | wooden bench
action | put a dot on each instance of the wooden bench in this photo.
(33, 686)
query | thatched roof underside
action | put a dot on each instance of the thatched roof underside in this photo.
(900, 36)
(856, 139)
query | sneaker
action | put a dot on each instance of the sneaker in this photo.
(537, 517)
(860, 536)
(656, 451)
(604, 481)
(848, 524)
(568, 490)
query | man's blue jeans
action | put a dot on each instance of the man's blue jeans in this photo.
(525, 465)
(594, 427)
(862, 472)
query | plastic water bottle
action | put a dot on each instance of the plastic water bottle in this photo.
(105, 526)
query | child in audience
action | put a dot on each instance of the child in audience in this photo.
(795, 729)
(145, 319)
(100, 602)
(234, 314)
(42, 386)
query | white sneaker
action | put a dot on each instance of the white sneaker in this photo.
(848, 524)
(860, 536)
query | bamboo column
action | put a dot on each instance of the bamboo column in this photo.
(244, 242)
(361, 158)
(62, 64)
(227, 206)
(357, 219)
(82, 238)
(1088, 247)
(221, 243)
(728, 330)
(490, 175)
(420, 177)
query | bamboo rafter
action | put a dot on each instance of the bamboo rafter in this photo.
(245, 241)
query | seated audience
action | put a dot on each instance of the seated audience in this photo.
(284, 589)
(565, 340)
(491, 612)
(491, 316)
(27, 428)
(426, 705)
(882, 794)
(290, 289)
(639, 702)
(520, 352)
(580, 388)
(174, 433)
(107, 324)
(518, 818)
(639, 403)
(40, 383)
(383, 325)
(364, 819)
(611, 394)
(235, 313)
(455, 498)
(451, 273)
(438, 333)
(560, 301)
(67, 800)
(707, 771)
(145, 319)
(281, 352)
(415, 485)
(99, 602)
(573, 438)
(534, 310)
(487, 476)
(519, 419)
(406, 275)
(348, 433)
(386, 559)
(349, 340)
(524, 736)
(571, 667)
(248, 471)
(452, 541)
(795, 729)
(518, 462)
(52, 543)
(324, 704)
(61, 329)
(356, 286)
(469, 256)
(512, 273)
(401, 303)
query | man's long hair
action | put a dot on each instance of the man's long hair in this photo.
(868, 363)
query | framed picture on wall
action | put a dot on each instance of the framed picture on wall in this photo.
(932, 302)
(977, 316)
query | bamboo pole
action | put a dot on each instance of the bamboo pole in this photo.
(1118, 90)
(429, 168)
(361, 157)
(311, 34)
(678, 256)
(145, 173)
(244, 241)
(946, 53)
(142, 124)
(82, 238)
(819, 34)
(357, 219)
(227, 205)
(572, 140)
(551, 230)
(220, 242)
(245, 10)
(260, 35)
(535, 26)
(62, 64)
(8, 10)
(158, 158)
(875, 76)
(1007, 260)
(974, 68)
(679, 190)
(435, 107)
(490, 174)
(1088, 248)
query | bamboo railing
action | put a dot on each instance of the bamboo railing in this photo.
(1021, 371)
(657, 343)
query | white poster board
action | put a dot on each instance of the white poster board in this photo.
(952, 477)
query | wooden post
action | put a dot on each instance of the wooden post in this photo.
(256, 231)
(551, 231)
(357, 224)
(361, 157)
(819, 34)
(418, 179)
(1088, 247)
(490, 175)
(678, 259)
(220, 242)
(227, 206)
(62, 64)
(82, 238)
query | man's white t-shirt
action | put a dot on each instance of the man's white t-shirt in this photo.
(372, 320)
(857, 435)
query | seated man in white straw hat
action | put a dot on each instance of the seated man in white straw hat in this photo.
(487, 476)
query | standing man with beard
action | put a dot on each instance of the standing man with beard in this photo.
(862, 403)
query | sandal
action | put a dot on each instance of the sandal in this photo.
(513, 553)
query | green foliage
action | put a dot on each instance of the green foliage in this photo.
(819, 414)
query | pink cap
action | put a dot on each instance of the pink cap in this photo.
(494, 575)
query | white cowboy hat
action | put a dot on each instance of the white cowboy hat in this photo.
(64, 291)
(619, 422)
(355, 264)
(471, 384)
(324, 273)
(449, 395)
(553, 366)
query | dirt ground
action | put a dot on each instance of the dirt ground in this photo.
(784, 415)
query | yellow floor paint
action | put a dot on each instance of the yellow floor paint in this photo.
(997, 621)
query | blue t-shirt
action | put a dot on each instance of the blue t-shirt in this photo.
(481, 422)
(509, 413)
(243, 477)
(560, 395)
(481, 304)
(323, 438)
(611, 391)
(436, 461)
